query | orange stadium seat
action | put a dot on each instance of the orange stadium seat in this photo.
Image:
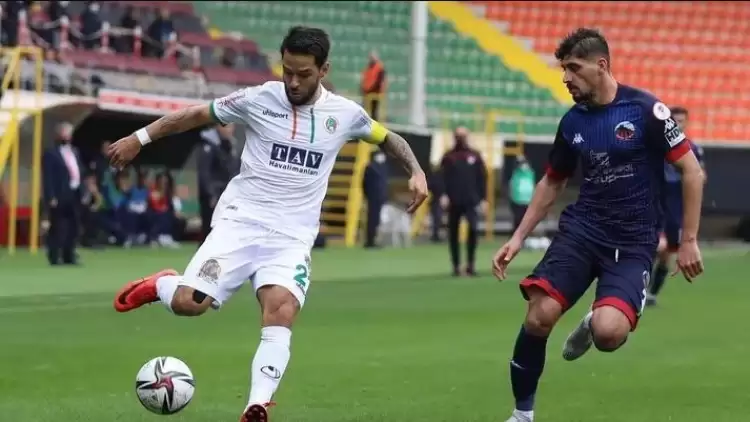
(691, 53)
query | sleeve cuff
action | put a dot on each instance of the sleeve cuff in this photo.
(554, 174)
(678, 152)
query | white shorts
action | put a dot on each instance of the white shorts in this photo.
(236, 251)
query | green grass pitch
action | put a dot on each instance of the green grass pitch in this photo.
(385, 336)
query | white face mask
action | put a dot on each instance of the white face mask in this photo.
(94, 7)
(380, 158)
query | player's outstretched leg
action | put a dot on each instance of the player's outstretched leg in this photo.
(162, 286)
(279, 308)
(530, 352)
(141, 292)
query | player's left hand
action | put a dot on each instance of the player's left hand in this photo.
(689, 260)
(419, 191)
(122, 152)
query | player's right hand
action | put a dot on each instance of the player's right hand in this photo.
(122, 152)
(418, 188)
(504, 255)
(689, 260)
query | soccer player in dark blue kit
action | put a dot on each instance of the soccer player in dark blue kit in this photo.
(669, 241)
(621, 137)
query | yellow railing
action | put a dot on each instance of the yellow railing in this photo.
(355, 200)
(368, 103)
(11, 140)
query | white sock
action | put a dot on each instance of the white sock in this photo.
(524, 415)
(166, 286)
(269, 363)
(587, 319)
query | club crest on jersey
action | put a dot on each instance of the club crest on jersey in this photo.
(331, 124)
(661, 111)
(624, 131)
(210, 271)
(295, 159)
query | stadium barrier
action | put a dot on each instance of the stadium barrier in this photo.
(117, 113)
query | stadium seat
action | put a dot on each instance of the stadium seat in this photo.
(462, 81)
(688, 54)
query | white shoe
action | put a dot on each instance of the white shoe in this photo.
(579, 341)
(519, 416)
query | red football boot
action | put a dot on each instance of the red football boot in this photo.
(139, 292)
(256, 413)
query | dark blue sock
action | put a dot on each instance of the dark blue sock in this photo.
(660, 276)
(526, 368)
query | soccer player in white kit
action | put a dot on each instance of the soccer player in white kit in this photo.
(266, 220)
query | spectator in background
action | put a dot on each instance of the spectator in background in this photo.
(373, 85)
(163, 220)
(522, 184)
(96, 217)
(56, 10)
(62, 177)
(129, 21)
(218, 163)
(132, 208)
(91, 25)
(375, 187)
(159, 32)
(229, 58)
(465, 181)
(99, 163)
(11, 9)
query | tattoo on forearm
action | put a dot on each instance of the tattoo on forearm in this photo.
(397, 147)
(177, 122)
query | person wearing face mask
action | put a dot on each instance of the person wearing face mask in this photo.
(375, 187)
(522, 184)
(465, 182)
(62, 177)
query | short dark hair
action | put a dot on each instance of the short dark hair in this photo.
(583, 43)
(680, 110)
(308, 41)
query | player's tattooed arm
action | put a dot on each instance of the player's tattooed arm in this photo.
(181, 121)
(124, 151)
(397, 147)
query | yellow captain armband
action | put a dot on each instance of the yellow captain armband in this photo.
(378, 133)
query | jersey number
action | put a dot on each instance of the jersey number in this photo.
(301, 277)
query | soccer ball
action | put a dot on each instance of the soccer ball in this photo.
(165, 385)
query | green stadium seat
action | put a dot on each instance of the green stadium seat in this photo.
(461, 77)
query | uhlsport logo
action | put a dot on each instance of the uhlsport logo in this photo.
(275, 114)
(295, 159)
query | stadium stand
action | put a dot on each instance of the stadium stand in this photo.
(189, 62)
(692, 54)
(463, 81)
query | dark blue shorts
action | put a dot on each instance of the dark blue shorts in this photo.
(572, 263)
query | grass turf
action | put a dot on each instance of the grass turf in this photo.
(385, 335)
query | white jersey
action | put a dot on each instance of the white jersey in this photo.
(288, 156)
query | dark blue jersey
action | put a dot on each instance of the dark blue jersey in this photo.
(672, 174)
(622, 147)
